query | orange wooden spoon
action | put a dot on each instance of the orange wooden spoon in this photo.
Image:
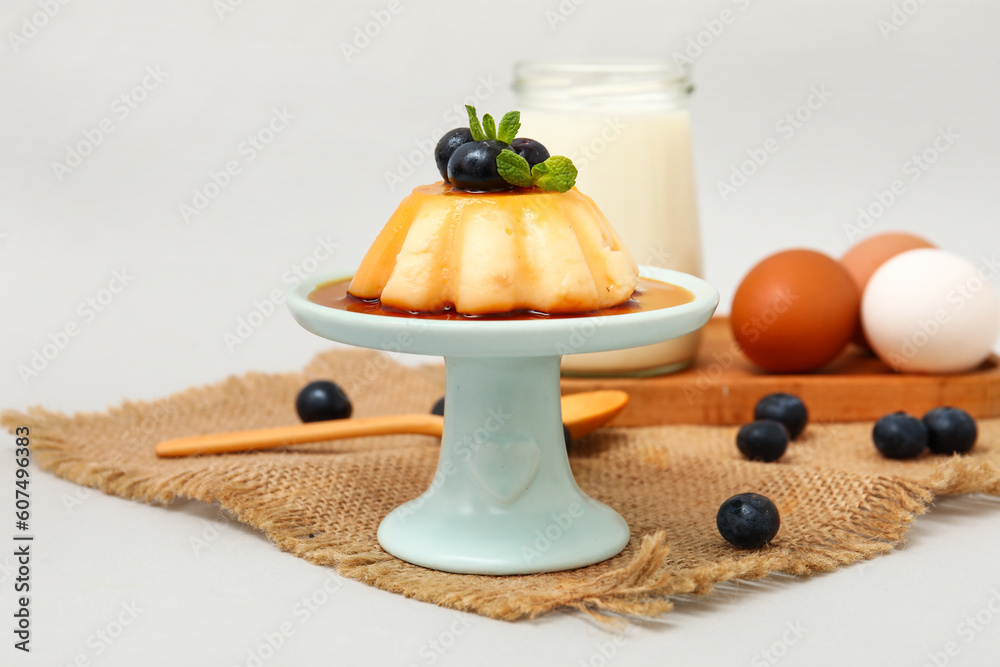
(582, 413)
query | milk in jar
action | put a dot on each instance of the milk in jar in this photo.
(626, 126)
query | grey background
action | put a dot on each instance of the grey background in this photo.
(322, 182)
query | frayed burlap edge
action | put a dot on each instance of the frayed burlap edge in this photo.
(639, 588)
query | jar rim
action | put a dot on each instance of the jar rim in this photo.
(602, 84)
(670, 71)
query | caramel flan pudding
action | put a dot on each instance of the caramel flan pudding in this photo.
(504, 231)
(480, 253)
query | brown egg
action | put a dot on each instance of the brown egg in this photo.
(865, 257)
(795, 311)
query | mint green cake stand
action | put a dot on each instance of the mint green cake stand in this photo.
(503, 499)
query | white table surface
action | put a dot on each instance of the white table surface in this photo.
(192, 587)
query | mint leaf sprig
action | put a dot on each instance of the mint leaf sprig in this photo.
(489, 127)
(474, 127)
(557, 173)
(514, 169)
(509, 125)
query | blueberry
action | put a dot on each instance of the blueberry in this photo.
(950, 430)
(748, 520)
(762, 440)
(785, 408)
(446, 145)
(322, 400)
(567, 437)
(473, 167)
(530, 150)
(900, 436)
(438, 408)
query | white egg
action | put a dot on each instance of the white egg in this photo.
(930, 311)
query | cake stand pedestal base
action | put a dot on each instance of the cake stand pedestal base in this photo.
(503, 499)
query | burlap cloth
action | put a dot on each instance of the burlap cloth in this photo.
(839, 500)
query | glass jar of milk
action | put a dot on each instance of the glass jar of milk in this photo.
(626, 126)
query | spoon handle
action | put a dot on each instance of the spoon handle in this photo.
(265, 438)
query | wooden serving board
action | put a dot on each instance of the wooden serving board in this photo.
(722, 387)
